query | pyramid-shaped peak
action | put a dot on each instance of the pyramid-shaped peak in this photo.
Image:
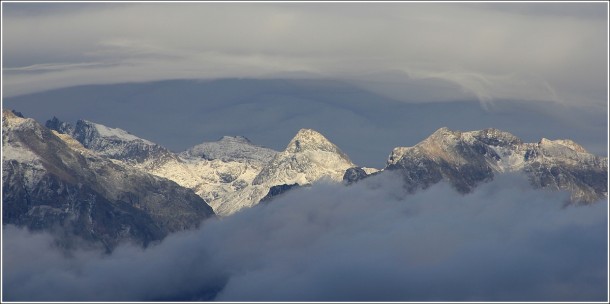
(9, 114)
(308, 133)
(11, 118)
(12, 113)
(444, 131)
(310, 140)
(308, 157)
(443, 134)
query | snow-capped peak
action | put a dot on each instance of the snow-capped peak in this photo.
(468, 158)
(12, 147)
(118, 144)
(230, 148)
(444, 132)
(114, 133)
(308, 157)
(310, 140)
(490, 136)
(239, 139)
(397, 154)
(495, 137)
(9, 118)
(561, 144)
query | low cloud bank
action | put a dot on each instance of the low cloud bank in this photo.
(369, 241)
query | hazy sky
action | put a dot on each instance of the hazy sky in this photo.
(540, 51)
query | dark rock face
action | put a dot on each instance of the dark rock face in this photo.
(131, 150)
(68, 210)
(585, 183)
(417, 173)
(72, 192)
(16, 113)
(353, 175)
(564, 165)
(59, 126)
(278, 190)
(444, 156)
(495, 137)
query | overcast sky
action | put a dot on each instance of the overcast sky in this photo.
(540, 51)
(368, 241)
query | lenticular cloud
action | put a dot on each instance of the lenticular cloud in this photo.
(369, 241)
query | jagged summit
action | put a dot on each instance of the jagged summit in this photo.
(17, 113)
(114, 143)
(310, 140)
(12, 116)
(232, 172)
(87, 131)
(230, 148)
(466, 159)
(59, 126)
(444, 131)
(99, 130)
(9, 116)
(50, 181)
(443, 141)
(495, 137)
(490, 136)
(241, 139)
(308, 157)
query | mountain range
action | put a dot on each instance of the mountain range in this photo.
(367, 125)
(107, 185)
(467, 159)
(50, 181)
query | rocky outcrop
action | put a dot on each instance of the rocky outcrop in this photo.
(467, 159)
(51, 182)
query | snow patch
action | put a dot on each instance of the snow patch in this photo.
(15, 151)
(368, 170)
(397, 154)
(229, 148)
(105, 131)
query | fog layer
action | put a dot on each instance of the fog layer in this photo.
(368, 241)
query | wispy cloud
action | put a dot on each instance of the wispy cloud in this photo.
(50, 67)
(492, 51)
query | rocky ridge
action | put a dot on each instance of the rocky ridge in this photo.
(232, 173)
(466, 159)
(114, 143)
(51, 182)
(230, 148)
(308, 158)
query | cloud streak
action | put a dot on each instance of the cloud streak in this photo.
(490, 51)
(369, 241)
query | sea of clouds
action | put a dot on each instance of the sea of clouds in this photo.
(367, 242)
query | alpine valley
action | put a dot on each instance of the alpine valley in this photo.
(106, 185)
